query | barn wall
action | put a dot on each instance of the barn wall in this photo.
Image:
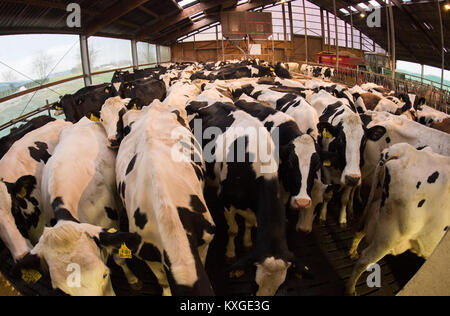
(212, 51)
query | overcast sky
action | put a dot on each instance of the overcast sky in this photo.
(19, 52)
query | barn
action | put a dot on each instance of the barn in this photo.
(231, 148)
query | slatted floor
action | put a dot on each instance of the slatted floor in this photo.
(324, 251)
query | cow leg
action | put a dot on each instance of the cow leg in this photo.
(350, 203)
(353, 252)
(326, 199)
(230, 216)
(250, 222)
(160, 273)
(133, 281)
(344, 201)
(372, 254)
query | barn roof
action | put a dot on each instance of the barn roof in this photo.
(163, 21)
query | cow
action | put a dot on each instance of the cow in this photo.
(86, 100)
(293, 105)
(17, 133)
(79, 198)
(397, 129)
(180, 94)
(143, 91)
(247, 183)
(343, 136)
(282, 72)
(299, 160)
(21, 220)
(318, 72)
(433, 118)
(407, 210)
(169, 213)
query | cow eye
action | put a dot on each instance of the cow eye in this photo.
(105, 276)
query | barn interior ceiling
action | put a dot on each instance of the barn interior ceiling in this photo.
(417, 25)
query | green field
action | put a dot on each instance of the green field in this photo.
(22, 105)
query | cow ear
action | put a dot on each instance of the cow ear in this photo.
(120, 240)
(133, 105)
(95, 117)
(30, 262)
(376, 132)
(23, 187)
(327, 130)
(329, 159)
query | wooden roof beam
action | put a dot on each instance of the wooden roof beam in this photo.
(147, 32)
(149, 12)
(173, 36)
(112, 14)
(420, 26)
(63, 7)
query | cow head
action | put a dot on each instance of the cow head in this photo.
(111, 117)
(76, 254)
(346, 142)
(300, 163)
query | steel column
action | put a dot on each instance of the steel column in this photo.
(85, 63)
(306, 32)
(134, 54)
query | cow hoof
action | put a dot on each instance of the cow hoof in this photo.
(137, 286)
(343, 225)
(323, 222)
(354, 256)
(350, 293)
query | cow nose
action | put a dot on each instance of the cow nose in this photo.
(302, 203)
(352, 179)
(113, 143)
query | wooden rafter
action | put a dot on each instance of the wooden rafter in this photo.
(113, 14)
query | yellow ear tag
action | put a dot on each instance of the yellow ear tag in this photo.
(107, 90)
(79, 101)
(58, 107)
(94, 118)
(23, 192)
(401, 100)
(124, 252)
(134, 107)
(326, 133)
(31, 276)
(112, 230)
(272, 69)
(335, 95)
(236, 274)
(327, 163)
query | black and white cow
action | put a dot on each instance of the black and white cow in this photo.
(86, 100)
(407, 210)
(398, 129)
(21, 219)
(246, 180)
(78, 199)
(168, 212)
(17, 133)
(299, 160)
(433, 118)
(342, 133)
(142, 92)
(293, 105)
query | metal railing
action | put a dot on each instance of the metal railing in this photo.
(48, 106)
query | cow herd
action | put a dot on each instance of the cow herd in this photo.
(126, 173)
